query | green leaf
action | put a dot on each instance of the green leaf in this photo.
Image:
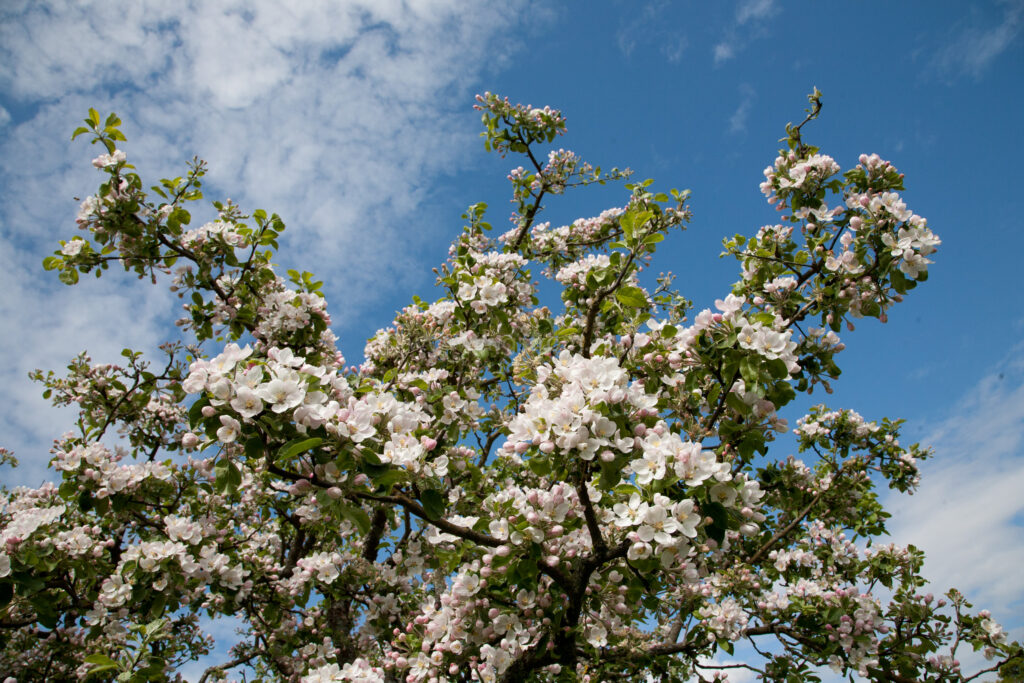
(540, 466)
(631, 296)
(611, 475)
(433, 503)
(270, 613)
(749, 371)
(713, 394)
(195, 413)
(297, 446)
(100, 663)
(778, 369)
(899, 281)
(356, 515)
(228, 477)
(388, 477)
(626, 223)
(6, 594)
(46, 614)
(234, 477)
(254, 447)
(719, 520)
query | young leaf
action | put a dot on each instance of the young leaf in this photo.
(433, 503)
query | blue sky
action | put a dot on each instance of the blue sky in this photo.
(353, 121)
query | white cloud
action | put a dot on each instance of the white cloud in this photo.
(724, 51)
(647, 27)
(970, 49)
(749, 10)
(749, 23)
(738, 120)
(339, 115)
(673, 48)
(329, 113)
(48, 325)
(223, 629)
(968, 514)
(733, 667)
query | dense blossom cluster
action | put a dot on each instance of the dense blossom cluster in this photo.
(499, 491)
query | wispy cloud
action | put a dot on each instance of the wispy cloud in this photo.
(748, 10)
(970, 49)
(724, 51)
(674, 47)
(968, 514)
(647, 27)
(329, 113)
(748, 21)
(738, 120)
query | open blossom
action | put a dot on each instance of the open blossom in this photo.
(247, 402)
(181, 529)
(650, 467)
(325, 566)
(658, 526)
(282, 394)
(107, 160)
(72, 247)
(726, 618)
(25, 522)
(229, 429)
(359, 671)
(631, 513)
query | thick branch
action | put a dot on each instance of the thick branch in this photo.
(226, 665)
(596, 539)
(786, 529)
(442, 524)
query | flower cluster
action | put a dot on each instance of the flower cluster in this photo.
(493, 280)
(790, 173)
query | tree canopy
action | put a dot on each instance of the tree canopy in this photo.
(507, 487)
